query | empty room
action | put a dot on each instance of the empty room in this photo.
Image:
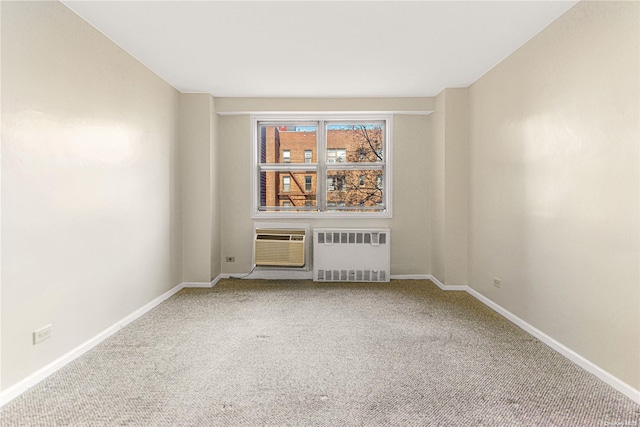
(320, 213)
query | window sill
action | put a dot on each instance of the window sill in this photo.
(322, 215)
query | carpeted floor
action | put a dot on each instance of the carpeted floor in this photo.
(299, 353)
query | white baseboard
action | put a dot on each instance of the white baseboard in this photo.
(409, 277)
(444, 287)
(579, 360)
(42, 373)
(216, 280)
(196, 284)
(437, 282)
(210, 284)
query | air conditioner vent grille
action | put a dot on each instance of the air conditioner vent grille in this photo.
(279, 247)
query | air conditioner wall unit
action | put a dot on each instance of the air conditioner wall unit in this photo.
(351, 255)
(280, 247)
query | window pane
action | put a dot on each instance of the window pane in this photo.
(351, 168)
(287, 143)
(287, 188)
(355, 142)
(355, 189)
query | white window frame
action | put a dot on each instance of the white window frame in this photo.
(320, 166)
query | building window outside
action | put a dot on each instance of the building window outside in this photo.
(336, 155)
(351, 170)
(331, 186)
(335, 183)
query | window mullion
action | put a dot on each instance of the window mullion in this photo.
(356, 166)
(321, 181)
(283, 167)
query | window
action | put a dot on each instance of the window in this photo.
(335, 183)
(336, 155)
(328, 165)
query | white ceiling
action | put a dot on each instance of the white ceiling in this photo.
(320, 48)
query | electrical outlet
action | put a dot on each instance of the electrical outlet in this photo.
(42, 334)
(497, 282)
(231, 259)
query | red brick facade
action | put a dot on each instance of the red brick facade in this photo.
(347, 188)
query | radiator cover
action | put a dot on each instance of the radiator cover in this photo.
(351, 255)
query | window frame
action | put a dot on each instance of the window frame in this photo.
(320, 166)
(286, 183)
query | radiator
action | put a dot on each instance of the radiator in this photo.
(351, 255)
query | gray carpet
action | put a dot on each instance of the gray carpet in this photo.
(299, 353)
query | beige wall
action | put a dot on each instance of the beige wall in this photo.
(456, 178)
(554, 184)
(91, 227)
(437, 169)
(215, 209)
(239, 105)
(410, 225)
(448, 165)
(200, 187)
(197, 147)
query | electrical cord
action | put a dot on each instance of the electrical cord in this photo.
(246, 275)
